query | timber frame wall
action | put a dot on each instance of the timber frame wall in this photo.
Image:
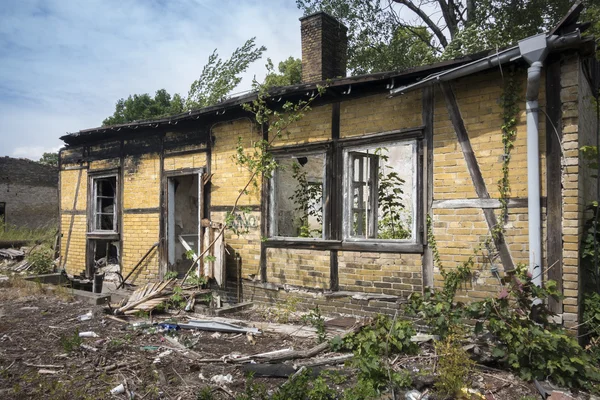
(458, 127)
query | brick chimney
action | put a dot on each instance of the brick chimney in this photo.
(324, 47)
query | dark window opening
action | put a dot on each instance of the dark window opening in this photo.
(105, 193)
(298, 196)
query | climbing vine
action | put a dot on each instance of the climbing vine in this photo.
(510, 113)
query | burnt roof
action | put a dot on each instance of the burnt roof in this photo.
(334, 87)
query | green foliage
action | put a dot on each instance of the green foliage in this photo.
(71, 342)
(49, 159)
(437, 307)
(387, 36)
(454, 366)
(171, 275)
(219, 77)
(371, 347)
(140, 107)
(377, 40)
(42, 260)
(290, 73)
(390, 224)
(591, 325)
(530, 343)
(308, 199)
(317, 321)
(282, 310)
(510, 112)
(205, 394)
(177, 299)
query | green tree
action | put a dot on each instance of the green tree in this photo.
(397, 34)
(217, 80)
(141, 107)
(290, 72)
(49, 159)
(219, 77)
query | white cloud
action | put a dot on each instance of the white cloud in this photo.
(64, 63)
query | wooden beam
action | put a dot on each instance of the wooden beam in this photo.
(265, 211)
(482, 203)
(427, 117)
(475, 172)
(332, 199)
(554, 242)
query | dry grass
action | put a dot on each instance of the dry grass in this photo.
(44, 234)
(18, 287)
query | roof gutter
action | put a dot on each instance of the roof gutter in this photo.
(554, 43)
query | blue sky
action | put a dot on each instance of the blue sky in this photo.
(64, 63)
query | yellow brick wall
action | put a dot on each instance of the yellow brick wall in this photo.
(105, 164)
(377, 113)
(140, 232)
(478, 101)
(197, 160)
(141, 181)
(460, 231)
(229, 178)
(308, 268)
(68, 187)
(314, 127)
(246, 244)
(384, 273)
(75, 255)
(75, 260)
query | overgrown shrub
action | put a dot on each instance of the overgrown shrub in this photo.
(529, 342)
(371, 346)
(454, 366)
(41, 259)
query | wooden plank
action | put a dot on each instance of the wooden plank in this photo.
(475, 172)
(520, 202)
(265, 209)
(554, 242)
(427, 117)
(332, 199)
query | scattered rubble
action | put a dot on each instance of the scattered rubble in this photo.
(177, 355)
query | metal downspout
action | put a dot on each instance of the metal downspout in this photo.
(534, 73)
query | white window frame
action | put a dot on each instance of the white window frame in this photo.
(94, 210)
(274, 220)
(347, 200)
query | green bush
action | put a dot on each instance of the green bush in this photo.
(41, 259)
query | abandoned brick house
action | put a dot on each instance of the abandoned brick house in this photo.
(344, 218)
(28, 193)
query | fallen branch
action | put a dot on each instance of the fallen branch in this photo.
(43, 365)
(294, 354)
(324, 361)
(115, 366)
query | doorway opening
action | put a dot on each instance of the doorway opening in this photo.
(184, 205)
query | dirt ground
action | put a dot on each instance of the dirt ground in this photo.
(41, 356)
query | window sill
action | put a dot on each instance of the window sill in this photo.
(370, 246)
(108, 235)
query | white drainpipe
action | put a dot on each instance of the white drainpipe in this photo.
(534, 51)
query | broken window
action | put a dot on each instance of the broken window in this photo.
(297, 198)
(381, 191)
(105, 207)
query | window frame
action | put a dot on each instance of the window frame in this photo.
(334, 191)
(288, 152)
(93, 231)
(347, 201)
